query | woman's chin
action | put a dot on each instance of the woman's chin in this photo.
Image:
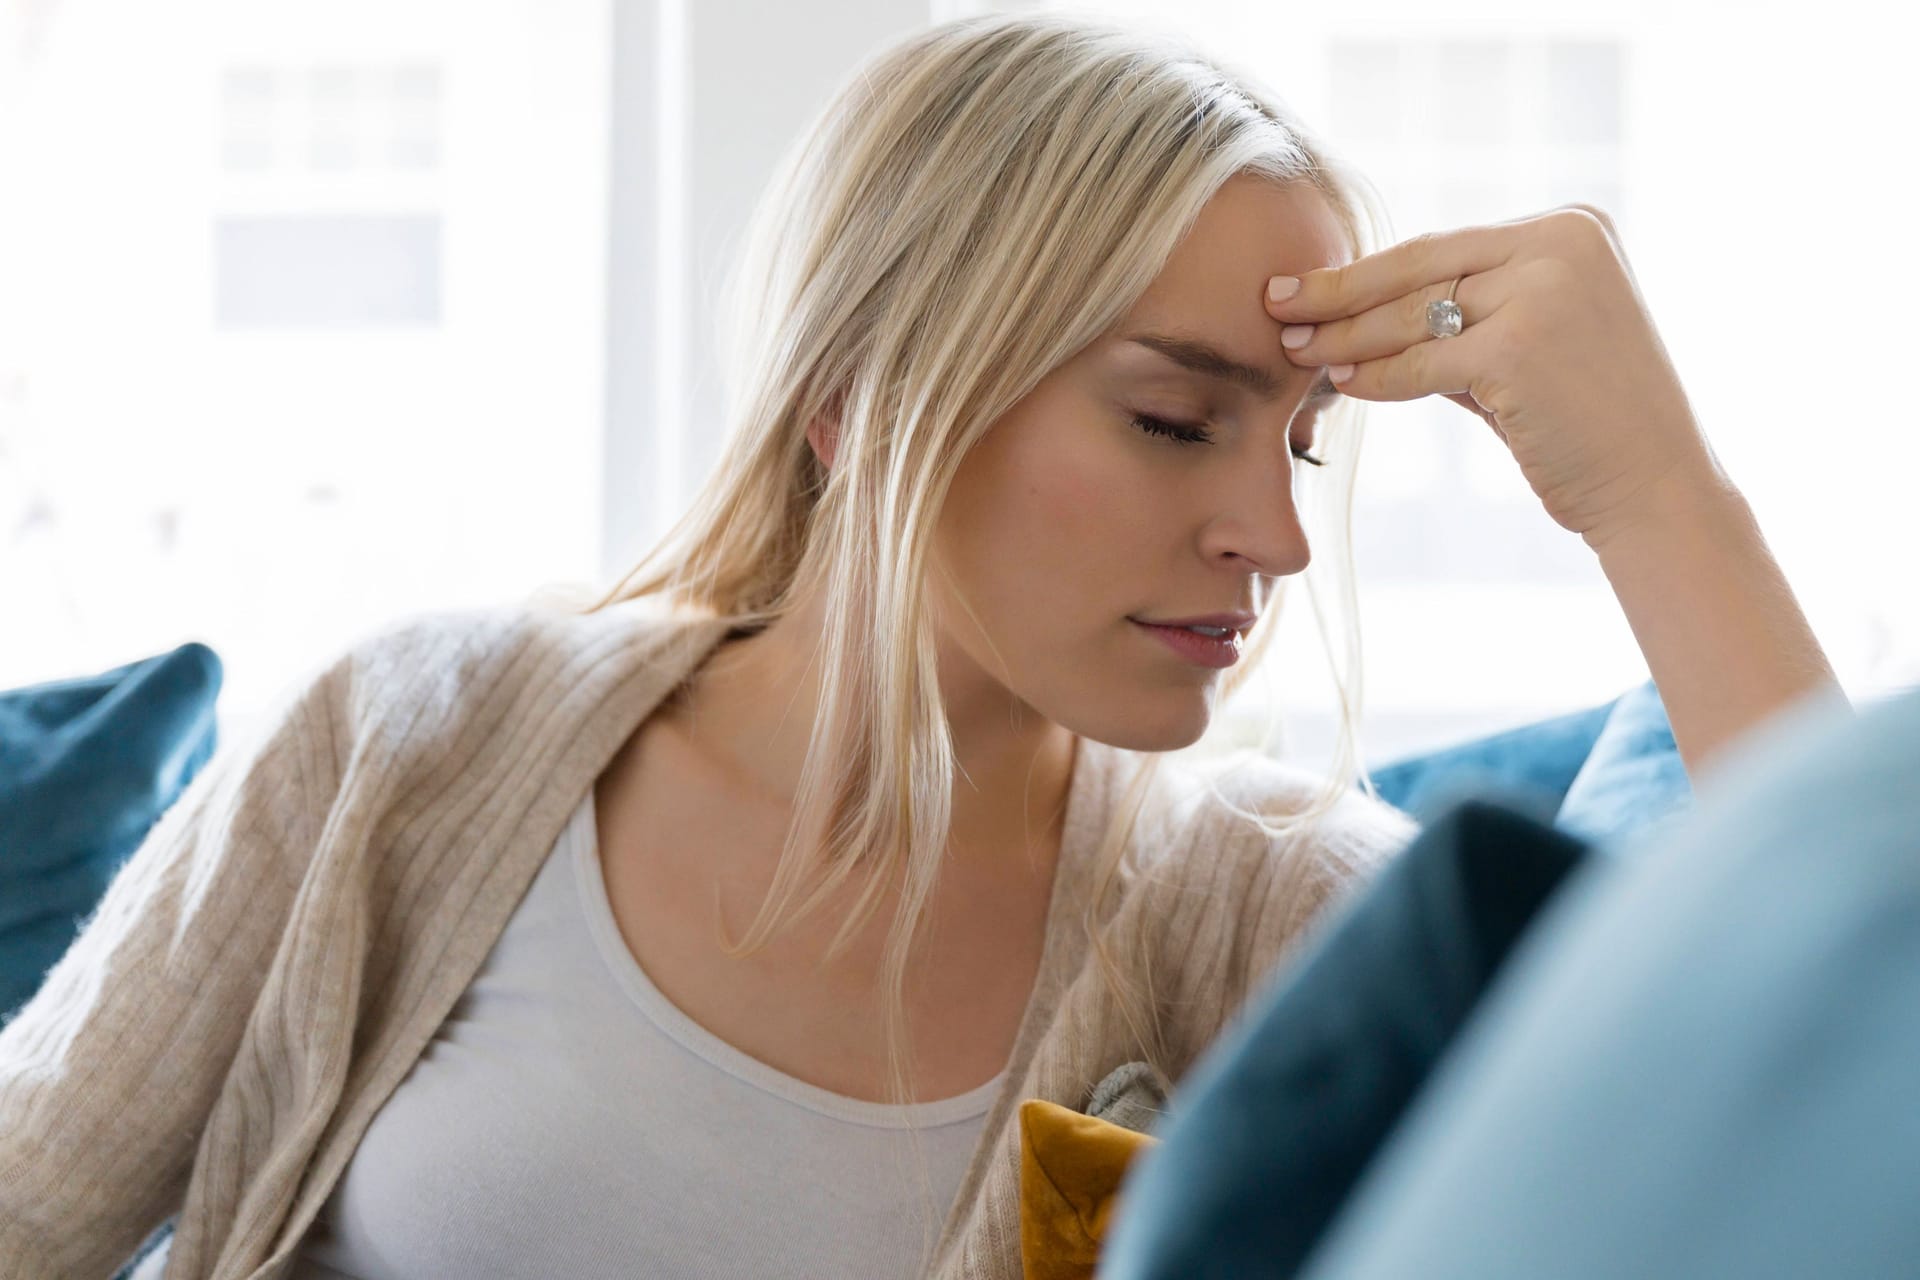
(1174, 729)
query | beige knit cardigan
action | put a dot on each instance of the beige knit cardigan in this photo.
(285, 942)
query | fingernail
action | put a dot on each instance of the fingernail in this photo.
(1339, 372)
(1280, 288)
(1296, 335)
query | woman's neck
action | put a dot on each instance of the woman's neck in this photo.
(751, 707)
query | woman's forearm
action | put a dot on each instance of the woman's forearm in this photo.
(1723, 636)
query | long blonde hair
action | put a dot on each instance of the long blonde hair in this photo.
(978, 203)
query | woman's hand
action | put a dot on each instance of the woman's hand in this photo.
(1557, 354)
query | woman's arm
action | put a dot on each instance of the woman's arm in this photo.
(109, 1074)
(1723, 636)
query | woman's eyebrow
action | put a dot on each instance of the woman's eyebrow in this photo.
(1211, 362)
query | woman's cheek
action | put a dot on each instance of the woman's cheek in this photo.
(1071, 503)
(1089, 493)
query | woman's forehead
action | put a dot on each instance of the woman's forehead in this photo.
(1211, 292)
(1247, 233)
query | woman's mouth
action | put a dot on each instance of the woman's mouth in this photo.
(1215, 647)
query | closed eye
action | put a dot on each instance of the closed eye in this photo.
(1190, 434)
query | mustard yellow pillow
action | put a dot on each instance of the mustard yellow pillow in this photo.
(1071, 1166)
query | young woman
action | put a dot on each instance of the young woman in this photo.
(717, 926)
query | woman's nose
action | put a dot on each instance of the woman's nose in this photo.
(1257, 518)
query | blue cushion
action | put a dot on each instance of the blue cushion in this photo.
(1604, 774)
(87, 766)
(1540, 759)
(1632, 780)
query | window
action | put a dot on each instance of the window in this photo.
(313, 339)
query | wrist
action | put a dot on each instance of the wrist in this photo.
(1722, 633)
(1683, 497)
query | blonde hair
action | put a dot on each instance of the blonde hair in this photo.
(978, 203)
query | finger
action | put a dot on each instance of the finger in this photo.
(1438, 366)
(1327, 293)
(1392, 326)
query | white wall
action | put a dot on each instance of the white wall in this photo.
(707, 96)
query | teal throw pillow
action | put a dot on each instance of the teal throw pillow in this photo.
(87, 766)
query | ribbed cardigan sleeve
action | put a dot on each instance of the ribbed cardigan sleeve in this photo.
(108, 1075)
(1308, 878)
(1263, 895)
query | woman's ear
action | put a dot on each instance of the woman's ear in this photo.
(823, 433)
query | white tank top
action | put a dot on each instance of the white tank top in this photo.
(568, 1120)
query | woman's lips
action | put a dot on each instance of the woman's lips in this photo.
(1205, 651)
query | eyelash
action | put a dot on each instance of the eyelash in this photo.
(1193, 435)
